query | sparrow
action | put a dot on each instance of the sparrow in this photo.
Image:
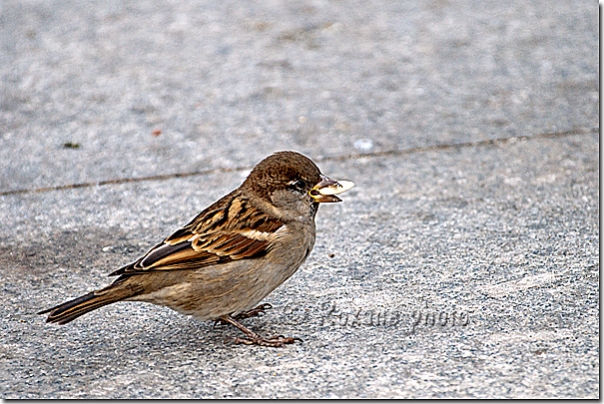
(231, 255)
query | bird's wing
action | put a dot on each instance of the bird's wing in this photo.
(229, 230)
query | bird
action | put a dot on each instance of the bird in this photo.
(234, 253)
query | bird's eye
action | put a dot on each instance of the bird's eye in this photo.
(297, 185)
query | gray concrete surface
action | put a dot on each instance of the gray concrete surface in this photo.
(464, 264)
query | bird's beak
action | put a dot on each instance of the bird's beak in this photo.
(327, 189)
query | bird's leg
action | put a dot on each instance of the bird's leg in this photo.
(255, 312)
(254, 339)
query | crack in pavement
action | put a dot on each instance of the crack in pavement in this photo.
(394, 152)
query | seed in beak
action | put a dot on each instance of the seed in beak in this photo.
(337, 188)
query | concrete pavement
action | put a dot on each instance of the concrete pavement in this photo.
(464, 264)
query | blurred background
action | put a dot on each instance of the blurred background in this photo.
(93, 91)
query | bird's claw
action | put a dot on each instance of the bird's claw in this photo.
(255, 312)
(276, 341)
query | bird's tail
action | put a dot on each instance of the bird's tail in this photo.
(68, 311)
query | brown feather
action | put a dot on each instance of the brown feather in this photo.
(208, 239)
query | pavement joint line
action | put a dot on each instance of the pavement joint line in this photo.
(394, 152)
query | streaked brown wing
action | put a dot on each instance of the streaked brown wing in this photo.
(211, 238)
(196, 253)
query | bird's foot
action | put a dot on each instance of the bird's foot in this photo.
(276, 341)
(251, 338)
(255, 312)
